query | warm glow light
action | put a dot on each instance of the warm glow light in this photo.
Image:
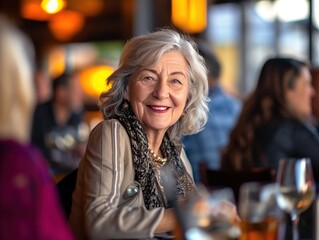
(87, 7)
(53, 6)
(93, 79)
(57, 62)
(65, 24)
(189, 15)
(31, 9)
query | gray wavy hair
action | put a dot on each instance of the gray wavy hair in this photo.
(144, 51)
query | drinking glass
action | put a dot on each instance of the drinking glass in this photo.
(296, 188)
(260, 215)
(205, 215)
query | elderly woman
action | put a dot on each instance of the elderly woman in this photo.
(134, 163)
(29, 204)
(274, 123)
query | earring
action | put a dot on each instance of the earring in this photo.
(125, 105)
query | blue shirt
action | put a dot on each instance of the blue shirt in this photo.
(206, 145)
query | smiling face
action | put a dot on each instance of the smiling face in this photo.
(299, 97)
(158, 93)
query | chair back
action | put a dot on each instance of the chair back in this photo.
(66, 187)
(215, 179)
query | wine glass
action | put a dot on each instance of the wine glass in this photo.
(296, 188)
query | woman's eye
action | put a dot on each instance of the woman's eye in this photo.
(176, 81)
(148, 78)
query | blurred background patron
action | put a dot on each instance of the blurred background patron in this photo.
(276, 119)
(206, 146)
(29, 205)
(58, 125)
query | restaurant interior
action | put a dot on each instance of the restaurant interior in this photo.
(87, 36)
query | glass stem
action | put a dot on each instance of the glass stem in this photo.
(295, 224)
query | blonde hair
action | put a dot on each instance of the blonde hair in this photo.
(16, 82)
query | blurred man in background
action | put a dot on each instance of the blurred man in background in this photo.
(206, 146)
(58, 127)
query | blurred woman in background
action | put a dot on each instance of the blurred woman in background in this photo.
(275, 120)
(29, 205)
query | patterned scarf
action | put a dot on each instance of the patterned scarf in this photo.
(145, 168)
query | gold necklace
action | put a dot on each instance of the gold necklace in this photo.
(157, 159)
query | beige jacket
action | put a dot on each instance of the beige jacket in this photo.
(107, 202)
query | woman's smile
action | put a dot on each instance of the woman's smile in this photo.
(159, 109)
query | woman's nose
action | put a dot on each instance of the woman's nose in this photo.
(161, 90)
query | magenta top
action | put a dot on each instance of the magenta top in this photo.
(29, 204)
